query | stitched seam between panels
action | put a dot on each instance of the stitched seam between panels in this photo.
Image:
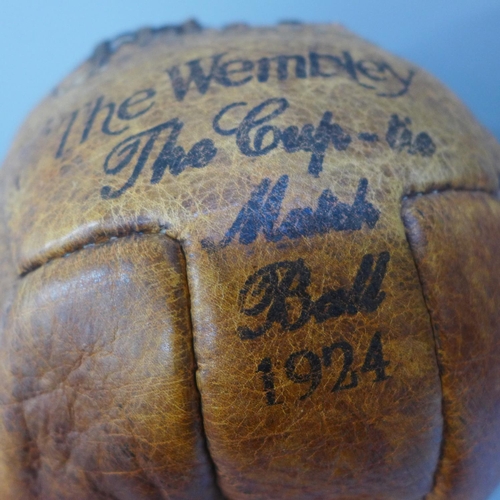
(495, 195)
(436, 354)
(198, 389)
(163, 229)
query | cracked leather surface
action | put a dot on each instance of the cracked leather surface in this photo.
(102, 402)
(451, 234)
(209, 286)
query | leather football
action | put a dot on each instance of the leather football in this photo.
(254, 263)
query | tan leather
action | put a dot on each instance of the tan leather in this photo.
(453, 235)
(102, 399)
(253, 315)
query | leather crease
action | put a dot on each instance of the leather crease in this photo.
(198, 390)
(435, 336)
(434, 331)
(161, 230)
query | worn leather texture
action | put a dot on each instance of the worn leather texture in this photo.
(249, 264)
(450, 233)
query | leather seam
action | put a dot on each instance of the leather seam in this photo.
(495, 195)
(165, 227)
(435, 335)
(415, 194)
(196, 386)
(160, 231)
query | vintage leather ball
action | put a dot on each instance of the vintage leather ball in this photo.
(250, 264)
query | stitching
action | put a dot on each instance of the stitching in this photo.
(435, 336)
(164, 228)
(496, 195)
(447, 189)
(210, 459)
(203, 436)
(96, 244)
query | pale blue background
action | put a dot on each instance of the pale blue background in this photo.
(456, 40)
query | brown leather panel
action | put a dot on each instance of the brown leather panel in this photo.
(274, 326)
(8, 284)
(57, 167)
(278, 158)
(99, 399)
(455, 237)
